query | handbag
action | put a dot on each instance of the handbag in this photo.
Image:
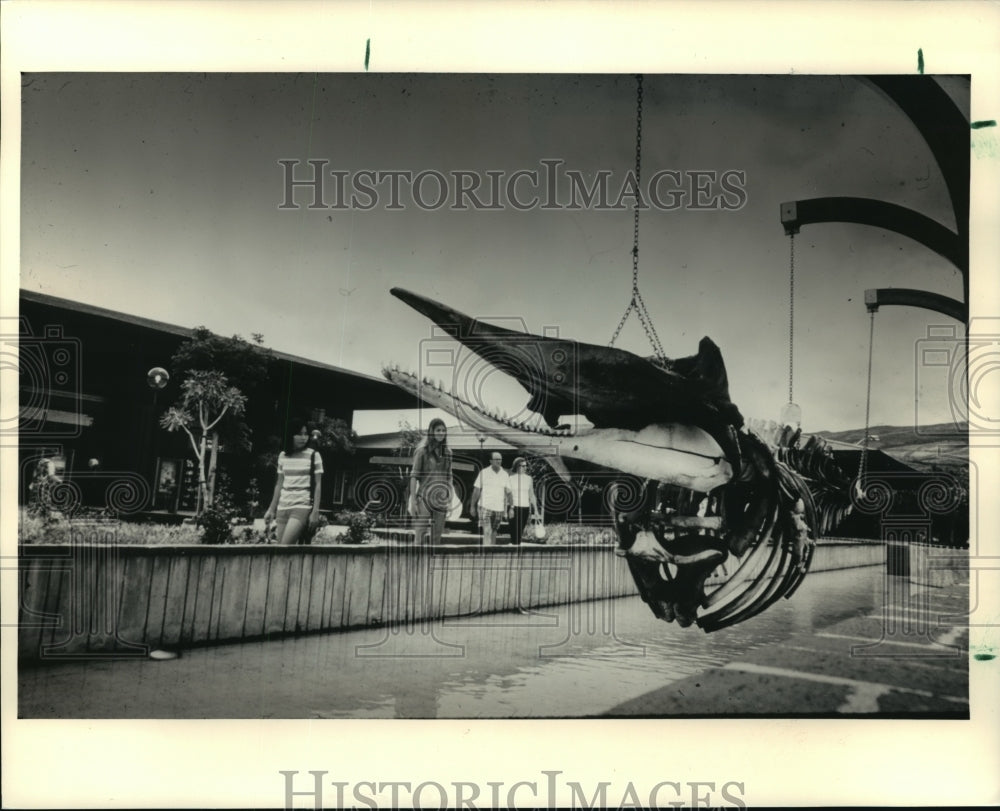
(537, 528)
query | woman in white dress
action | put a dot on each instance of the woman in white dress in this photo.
(522, 491)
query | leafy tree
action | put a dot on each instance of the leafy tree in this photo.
(406, 446)
(244, 366)
(583, 486)
(334, 436)
(409, 438)
(206, 397)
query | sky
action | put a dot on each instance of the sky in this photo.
(160, 195)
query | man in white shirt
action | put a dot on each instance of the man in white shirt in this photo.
(491, 499)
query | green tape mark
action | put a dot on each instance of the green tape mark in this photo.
(978, 125)
(920, 60)
(368, 51)
(984, 657)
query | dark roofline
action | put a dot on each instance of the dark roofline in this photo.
(174, 329)
(90, 309)
(877, 460)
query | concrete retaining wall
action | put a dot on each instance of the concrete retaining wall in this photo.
(86, 599)
(843, 553)
(938, 566)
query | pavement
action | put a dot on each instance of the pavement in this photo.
(908, 658)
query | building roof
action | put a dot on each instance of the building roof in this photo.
(876, 462)
(840, 445)
(459, 438)
(174, 329)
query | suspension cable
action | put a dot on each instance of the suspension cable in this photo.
(791, 317)
(636, 302)
(863, 461)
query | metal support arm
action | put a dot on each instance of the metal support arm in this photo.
(892, 217)
(907, 297)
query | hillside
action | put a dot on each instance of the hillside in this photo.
(944, 446)
(894, 436)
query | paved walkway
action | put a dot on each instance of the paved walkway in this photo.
(909, 657)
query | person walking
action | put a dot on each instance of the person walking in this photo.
(491, 498)
(523, 503)
(430, 484)
(295, 504)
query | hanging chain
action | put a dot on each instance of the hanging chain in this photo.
(635, 225)
(621, 323)
(863, 461)
(636, 301)
(791, 317)
(640, 305)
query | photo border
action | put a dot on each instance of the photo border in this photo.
(120, 764)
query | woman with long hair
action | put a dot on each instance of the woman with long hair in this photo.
(430, 484)
(295, 503)
(522, 491)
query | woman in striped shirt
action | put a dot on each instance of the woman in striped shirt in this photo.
(295, 502)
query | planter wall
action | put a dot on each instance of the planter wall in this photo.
(92, 599)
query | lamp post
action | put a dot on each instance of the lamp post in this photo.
(482, 441)
(157, 379)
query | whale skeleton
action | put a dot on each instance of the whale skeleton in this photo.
(669, 425)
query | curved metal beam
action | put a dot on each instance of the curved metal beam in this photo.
(945, 130)
(892, 217)
(908, 297)
(943, 126)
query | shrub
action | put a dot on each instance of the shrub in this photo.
(216, 524)
(42, 483)
(250, 535)
(252, 503)
(574, 534)
(310, 532)
(35, 530)
(217, 520)
(156, 534)
(32, 528)
(358, 526)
